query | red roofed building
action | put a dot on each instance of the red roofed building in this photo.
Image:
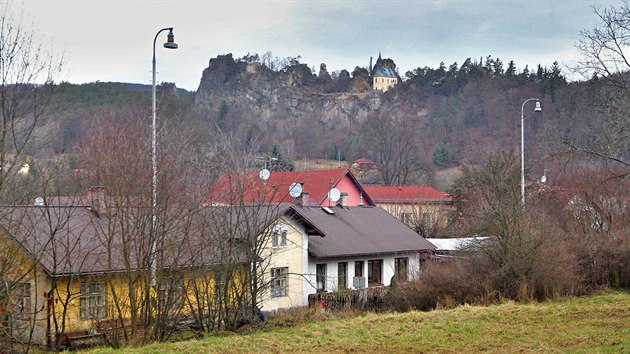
(422, 208)
(249, 188)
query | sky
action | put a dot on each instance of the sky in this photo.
(112, 40)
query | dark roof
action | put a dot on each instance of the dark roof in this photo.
(76, 240)
(357, 231)
(384, 71)
(76, 243)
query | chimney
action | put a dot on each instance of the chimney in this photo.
(96, 198)
(303, 200)
(343, 200)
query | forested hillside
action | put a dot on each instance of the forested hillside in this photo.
(434, 118)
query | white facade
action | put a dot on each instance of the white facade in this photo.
(301, 269)
(291, 273)
(387, 272)
(292, 258)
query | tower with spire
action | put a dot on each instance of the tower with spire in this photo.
(383, 75)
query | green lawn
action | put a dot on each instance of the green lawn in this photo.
(598, 323)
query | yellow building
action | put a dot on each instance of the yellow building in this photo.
(71, 273)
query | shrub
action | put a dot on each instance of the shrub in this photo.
(444, 284)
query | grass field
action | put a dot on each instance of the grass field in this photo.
(319, 164)
(598, 323)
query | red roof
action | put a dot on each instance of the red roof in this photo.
(406, 194)
(252, 189)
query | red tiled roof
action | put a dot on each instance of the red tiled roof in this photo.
(406, 194)
(252, 189)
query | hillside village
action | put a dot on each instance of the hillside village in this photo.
(276, 189)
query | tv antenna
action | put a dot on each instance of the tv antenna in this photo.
(295, 190)
(334, 194)
(264, 174)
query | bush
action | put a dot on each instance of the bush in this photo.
(444, 284)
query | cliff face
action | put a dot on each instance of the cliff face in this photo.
(293, 94)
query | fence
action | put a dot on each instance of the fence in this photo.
(364, 299)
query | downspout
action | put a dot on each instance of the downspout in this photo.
(49, 310)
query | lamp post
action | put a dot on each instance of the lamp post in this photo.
(170, 44)
(536, 109)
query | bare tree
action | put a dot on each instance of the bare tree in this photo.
(517, 260)
(27, 74)
(605, 61)
(391, 139)
(40, 242)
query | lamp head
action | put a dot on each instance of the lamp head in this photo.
(538, 108)
(170, 44)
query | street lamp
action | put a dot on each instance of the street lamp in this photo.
(536, 109)
(170, 44)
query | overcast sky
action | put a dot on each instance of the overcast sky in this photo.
(112, 40)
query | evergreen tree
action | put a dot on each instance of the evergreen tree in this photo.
(511, 69)
(278, 161)
(497, 68)
(443, 155)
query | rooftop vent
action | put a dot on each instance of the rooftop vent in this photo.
(328, 211)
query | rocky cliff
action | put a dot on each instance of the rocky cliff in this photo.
(293, 94)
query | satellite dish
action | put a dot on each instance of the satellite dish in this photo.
(39, 201)
(334, 195)
(295, 190)
(264, 174)
(543, 179)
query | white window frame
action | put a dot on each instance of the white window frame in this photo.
(279, 283)
(279, 236)
(92, 300)
(22, 308)
(172, 290)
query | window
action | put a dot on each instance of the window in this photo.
(358, 268)
(92, 301)
(427, 218)
(279, 281)
(405, 218)
(22, 309)
(320, 275)
(279, 237)
(220, 281)
(400, 269)
(172, 290)
(375, 268)
(342, 276)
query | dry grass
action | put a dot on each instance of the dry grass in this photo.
(598, 323)
(445, 177)
(318, 164)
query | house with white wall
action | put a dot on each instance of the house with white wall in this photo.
(326, 249)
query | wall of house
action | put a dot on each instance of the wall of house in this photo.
(63, 312)
(67, 294)
(332, 275)
(354, 194)
(294, 257)
(383, 83)
(438, 211)
(28, 323)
